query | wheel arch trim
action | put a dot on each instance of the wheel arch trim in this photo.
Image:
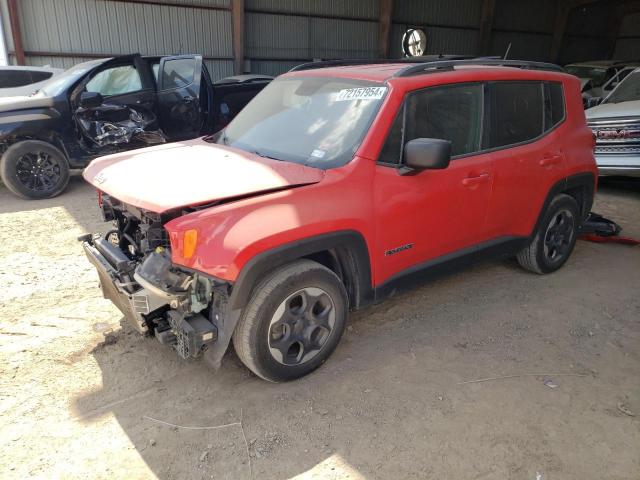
(586, 181)
(347, 246)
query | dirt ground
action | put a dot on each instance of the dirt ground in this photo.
(83, 396)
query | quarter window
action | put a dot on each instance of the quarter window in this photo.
(516, 113)
(115, 81)
(553, 105)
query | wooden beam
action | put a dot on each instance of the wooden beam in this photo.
(486, 24)
(384, 27)
(237, 19)
(16, 33)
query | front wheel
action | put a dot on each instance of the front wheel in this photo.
(293, 322)
(555, 237)
(34, 169)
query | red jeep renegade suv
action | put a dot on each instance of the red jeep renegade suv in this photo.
(336, 187)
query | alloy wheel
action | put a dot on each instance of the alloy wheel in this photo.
(38, 171)
(301, 326)
(559, 235)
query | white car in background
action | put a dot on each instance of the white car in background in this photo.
(616, 125)
(17, 81)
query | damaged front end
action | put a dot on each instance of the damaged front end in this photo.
(180, 308)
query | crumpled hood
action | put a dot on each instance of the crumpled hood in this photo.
(607, 110)
(189, 173)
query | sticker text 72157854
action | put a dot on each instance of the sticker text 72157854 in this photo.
(365, 93)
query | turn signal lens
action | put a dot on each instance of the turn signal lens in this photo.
(189, 243)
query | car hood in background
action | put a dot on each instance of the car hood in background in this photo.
(12, 104)
(612, 110)
(191, 173)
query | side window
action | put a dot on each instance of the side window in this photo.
(177, 73)
(451, 113)
(115, 81)
(553, 105)
(392, 149)
(516, 113)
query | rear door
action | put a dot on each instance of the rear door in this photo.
(527, 149)
(179, 92)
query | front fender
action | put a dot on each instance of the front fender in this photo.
(231, 235)
(31, 123)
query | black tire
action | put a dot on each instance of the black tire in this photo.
(277, 330)
(555, 237)
(34, 170)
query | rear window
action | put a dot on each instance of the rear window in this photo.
(20, 78)
(516, 113)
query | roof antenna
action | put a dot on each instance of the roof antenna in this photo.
(507, 52)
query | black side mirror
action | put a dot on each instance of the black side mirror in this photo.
(90, 99)
(425, 154)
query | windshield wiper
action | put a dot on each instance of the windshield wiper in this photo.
(263, 155)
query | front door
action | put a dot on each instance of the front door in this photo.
(124, 104)
(179, 80)
(429, 215)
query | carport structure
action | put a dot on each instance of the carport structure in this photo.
(271, 36)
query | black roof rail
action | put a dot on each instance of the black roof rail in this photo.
(439, 65)
(376, 61)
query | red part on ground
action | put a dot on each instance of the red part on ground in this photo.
(613, 239)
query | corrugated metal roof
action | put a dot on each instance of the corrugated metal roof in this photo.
(631, 26)
(282, 37)
(627, 48)
(94, 26)
(450, 12)
(338, 8)
(525, 15)
(524, 46)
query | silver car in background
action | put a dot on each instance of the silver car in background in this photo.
(616, 125)
(18, 81)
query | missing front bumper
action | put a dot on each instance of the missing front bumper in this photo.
(148, 308)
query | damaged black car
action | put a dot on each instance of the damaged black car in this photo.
(109, 105)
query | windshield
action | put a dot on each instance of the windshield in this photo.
(598, 75)
(58, 84)
(627, 91)
(314, 121)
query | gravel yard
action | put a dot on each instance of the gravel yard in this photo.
(83, 396)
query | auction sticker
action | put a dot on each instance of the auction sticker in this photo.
(365, 93)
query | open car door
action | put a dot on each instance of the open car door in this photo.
(113, 106)
(179, 107)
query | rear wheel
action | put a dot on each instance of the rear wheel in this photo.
(34, 169)
(293, 322)
(554, 239)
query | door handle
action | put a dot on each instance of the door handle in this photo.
(549, 160)
(471, 181)
(188, 99)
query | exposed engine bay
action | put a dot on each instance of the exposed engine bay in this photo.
(180, 308)
(110, 124)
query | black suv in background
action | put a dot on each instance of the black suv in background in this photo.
(109, 105)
